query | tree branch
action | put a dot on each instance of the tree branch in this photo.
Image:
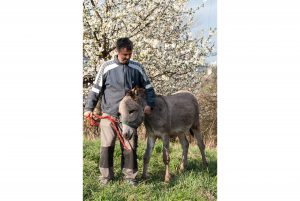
(94, 9)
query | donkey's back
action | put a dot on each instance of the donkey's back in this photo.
(174, 114)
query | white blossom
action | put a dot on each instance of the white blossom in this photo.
(162, 39)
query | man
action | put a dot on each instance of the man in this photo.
(113, 80)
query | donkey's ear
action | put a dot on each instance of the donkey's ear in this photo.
(132, 93)
(135, 90)
(138, 91)
(129, 93)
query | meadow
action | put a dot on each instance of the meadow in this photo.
(196, 183)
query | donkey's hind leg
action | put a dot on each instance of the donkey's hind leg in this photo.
(185, 147)
(197, 134)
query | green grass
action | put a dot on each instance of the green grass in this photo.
(196, 183)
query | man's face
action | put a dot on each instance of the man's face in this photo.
(124, 55)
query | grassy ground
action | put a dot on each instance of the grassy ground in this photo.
(195, 183)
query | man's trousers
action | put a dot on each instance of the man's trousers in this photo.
(128, 158)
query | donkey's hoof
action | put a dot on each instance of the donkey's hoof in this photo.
(182, 167)
(167, 178)
(144, 177)
(205, 164)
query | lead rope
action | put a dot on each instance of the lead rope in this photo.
(93, 122)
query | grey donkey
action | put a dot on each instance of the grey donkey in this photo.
(173, 115)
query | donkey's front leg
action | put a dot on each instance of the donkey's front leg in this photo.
(150, 144)
(166, 157)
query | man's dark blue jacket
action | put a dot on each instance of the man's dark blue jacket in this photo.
(112, 82)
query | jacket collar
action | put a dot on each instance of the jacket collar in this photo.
(116, 60)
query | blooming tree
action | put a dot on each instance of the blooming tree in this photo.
(160, 31)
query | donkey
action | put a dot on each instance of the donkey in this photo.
(173, 115)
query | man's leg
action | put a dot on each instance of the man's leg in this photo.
(129, 159)
(108, 138)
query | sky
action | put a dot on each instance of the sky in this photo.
(205, 18)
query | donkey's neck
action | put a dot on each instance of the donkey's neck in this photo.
(141, 101)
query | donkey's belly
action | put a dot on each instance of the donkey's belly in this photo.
(175, 131)
(179, 130)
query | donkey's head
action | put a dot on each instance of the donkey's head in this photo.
(131, 113)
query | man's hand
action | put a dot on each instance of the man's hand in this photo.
(147, 109)
(87, 113)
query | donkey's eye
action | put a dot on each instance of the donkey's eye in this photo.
(131, 111)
